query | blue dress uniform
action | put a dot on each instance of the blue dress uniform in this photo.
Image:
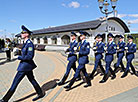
(110, 51)
(99, 50)
(120, 54)
(72, 58)
(84, 50)
(131, 49)
(25, 68)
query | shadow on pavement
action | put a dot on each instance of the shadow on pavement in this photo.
(45, 87)
(2, 58)
(6, 61)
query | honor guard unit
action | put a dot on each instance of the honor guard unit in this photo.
(110, 50)
(25, 68)
(98, 49)
(120, 54)
(130, 50)
(72, 58)
(83, 49)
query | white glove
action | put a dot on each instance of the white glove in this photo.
(94, 48)
(75, 48)
(117, 48)
(126, 48)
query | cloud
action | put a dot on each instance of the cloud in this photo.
(86, 6)
(64, 5)
(133, 15)
(13, 21)
(74, 4)
(135, 21)
(1, 30)
(121, 15)
(134, 29)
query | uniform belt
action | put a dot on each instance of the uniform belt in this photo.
(70, 55)
(108, 54)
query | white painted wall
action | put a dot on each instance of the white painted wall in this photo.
(59, 41)
(41, 41)
(49, 40)
(35, 41)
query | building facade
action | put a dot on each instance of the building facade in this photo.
(57, 38)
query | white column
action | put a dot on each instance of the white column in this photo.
(41, 40)
(35, 40)
(58, 41)
(49, 40)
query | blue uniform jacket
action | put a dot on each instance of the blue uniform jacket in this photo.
(99, 50)
(84, 50)
(27, 63)
(72, 56)
(121, 46)
(131, 50)
(111, 49)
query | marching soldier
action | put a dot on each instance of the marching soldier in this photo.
(99, 50)
(110, 51)
(84, 50)
(8, 49)
(72, 58)
(25, 67)
(130, 50)
(120, 53)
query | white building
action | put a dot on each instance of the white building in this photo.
(56, 38)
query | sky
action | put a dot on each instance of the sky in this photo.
(38, 14)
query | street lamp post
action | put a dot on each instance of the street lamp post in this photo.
(104, 4)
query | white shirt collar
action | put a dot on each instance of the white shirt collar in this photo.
(72, 40)
(25, 40)
(110, 42)
(82, 40)
(130, 42)
(99, 42)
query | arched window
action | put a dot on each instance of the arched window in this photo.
(65, 40)
(54, 40)
(38, 40)
(45, 40)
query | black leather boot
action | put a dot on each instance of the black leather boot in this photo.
(70, 84)
(113, 73)
(115, 68)
(92, 74)
(39, 92)
(3, 100)
(63, 80)
(124, 74)
(7, 96)
(88, 82)
(104, 79)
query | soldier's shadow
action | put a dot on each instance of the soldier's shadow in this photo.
(45, 87)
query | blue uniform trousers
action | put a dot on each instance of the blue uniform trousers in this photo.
(129, 64)
(19, 76)
(98, 63)
(119, 61)
(82, 68)
(70, 65)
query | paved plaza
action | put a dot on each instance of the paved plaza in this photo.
(51, 67)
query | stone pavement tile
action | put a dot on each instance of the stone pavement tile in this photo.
(128, 96)
(56, 74)
(8, 71)
(98, 91)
